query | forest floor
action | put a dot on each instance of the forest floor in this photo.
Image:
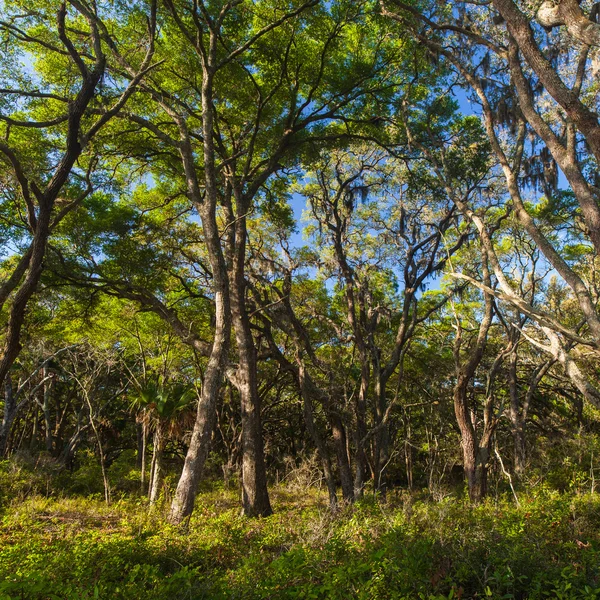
(70, 545)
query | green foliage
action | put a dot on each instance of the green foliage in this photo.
(128, 284)
(76, 547)
(165, 400)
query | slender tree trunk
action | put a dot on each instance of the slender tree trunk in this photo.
(475, 455)
(34, 428)
(62, 412)
(25, 424)
(519, 27)
(360, 434)
(185, 494)
(339, 439)
(47, 389)
(566, 160)
(318, 441)
(468, 438)
(517, 423)
(381, 454)
(408, 451)
(156, 464)
(12, 344)
(142, 455)
(100, 448)
(139, 435)
(356, 314)
(520, 449)
(40, 225)
(152, 469)
(8, 416)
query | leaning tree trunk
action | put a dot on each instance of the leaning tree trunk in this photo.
(40, 225)
(206, 204)
(185, 495)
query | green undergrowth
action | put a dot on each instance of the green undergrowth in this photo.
(74, 547)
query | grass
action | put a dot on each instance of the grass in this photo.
(57, 541)
(80, 548)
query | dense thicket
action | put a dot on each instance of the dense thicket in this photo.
(431, 318)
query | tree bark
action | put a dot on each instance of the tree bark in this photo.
(360, 434)
(318, 441)
(474, 457)
(568, 12)
(520, 29)
(156, 470)
(8, 416)
(185, 495)
(339, 439)
(47, 389)
(565, 160)
(475, 452)
(255, 495)
(517, 422)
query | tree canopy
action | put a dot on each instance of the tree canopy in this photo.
(239, 235)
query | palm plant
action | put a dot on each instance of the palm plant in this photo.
(160, 406)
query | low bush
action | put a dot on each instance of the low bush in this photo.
(74, 547)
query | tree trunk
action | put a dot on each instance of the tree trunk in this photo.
(34, 428)
(10, 411)
(142, 454)
(139, 434)
(382, 443)
(318, 441)
(517, 423)
(519, 27)
(475, 455)
(40, 224)
(156, 470)
(475, 465)
(185, 494)
(47, 388)
(255, 495)
(568, 12)
(408, 458)
(360, 473)
(339, 439)
(206, 204)
(152, 469)
(520, 450)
